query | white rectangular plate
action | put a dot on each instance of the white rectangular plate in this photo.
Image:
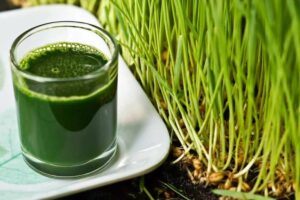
(143, 140)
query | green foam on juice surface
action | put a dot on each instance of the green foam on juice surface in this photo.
(64, 123)
(63, 60)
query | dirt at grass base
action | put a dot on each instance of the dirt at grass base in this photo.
(172, 174)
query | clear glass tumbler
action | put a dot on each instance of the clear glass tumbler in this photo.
(67, 120)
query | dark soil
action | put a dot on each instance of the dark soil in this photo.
(172, 174)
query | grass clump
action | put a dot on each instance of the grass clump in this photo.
(225, 77)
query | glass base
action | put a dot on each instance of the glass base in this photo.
(74, 171)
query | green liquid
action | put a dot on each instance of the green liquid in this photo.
(66, 124)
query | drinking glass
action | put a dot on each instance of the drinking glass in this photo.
(67, 126)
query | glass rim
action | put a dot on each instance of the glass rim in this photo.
(59, 24)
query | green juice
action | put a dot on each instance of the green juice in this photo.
(67, 128)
